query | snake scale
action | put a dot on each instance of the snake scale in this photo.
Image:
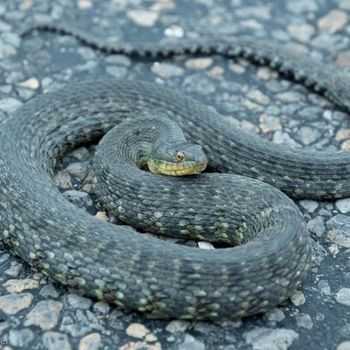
(143, 273)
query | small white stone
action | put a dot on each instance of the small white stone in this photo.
(31, 83)
(301, 32)
(343, 296)
(137, 330)
(343, 205)
(205, 245)
(333, 21)
(298, 298)
(143, 18)
(10, 104)
(166, 70)
(344, 346)
(177, 326)
(261, 338)
(101, 215)
(174, 31)
(199, 63)
(157, 214)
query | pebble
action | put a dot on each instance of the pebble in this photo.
(140, 345)
(21, 337)
(343, 59)
(342, 134)
(265, 73)
(78, 170)
(78, 302)
(4, 27)
(289, 96)
(340, 222)
(137, 330)
(300, 6)
(101, 307)
(333, 21)
(63, 181)
(166, 70)
(117, 72)
(345, 145)
(258, 97)
(261, 338)
(301, 32)
(49, 290)
(16, 286)
(174, 31)
(324, 287)
(344, 346)
(31, 83)
(10, 304)
(261, 12)
(298, 298)
(198, 84)
(304, 321)
(86, 53)
(79, 198)
(143, 18)
(344, 4)
(269, 123)
(6, 50)
(84, 4)
(191, 343)
(333, 249)
(205, 245)
(101, 215)
(339, 238)
(275, 315)
(308, 135)
(317, 226)
(310, 113)
(309, 205)
(177, 326)
(56, 341)
(15, 269)
(45, 314)
(216, 72)
(343, 296)
(282, 137)
(25, 94)
(9, 104)
(252, 105)
(236, 68)
(91, 341)
(343, 205)
(120, 60)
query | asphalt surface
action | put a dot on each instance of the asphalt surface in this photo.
(36, 313)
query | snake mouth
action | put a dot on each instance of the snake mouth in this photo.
(176, 169)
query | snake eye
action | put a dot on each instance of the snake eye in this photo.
(179, 156)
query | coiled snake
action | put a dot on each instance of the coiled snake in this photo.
(147, 274)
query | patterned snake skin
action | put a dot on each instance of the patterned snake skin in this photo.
(147, 274)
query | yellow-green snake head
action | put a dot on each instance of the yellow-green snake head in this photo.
(177, 159)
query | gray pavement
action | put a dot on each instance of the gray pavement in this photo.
(36, 313)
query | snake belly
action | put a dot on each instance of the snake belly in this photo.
(137, 272)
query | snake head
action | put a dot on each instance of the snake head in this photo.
(177, 159)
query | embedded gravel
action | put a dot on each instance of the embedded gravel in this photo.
(36, 313)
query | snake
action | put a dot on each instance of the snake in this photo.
(245, 201)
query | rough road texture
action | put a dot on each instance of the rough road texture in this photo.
(317, 317)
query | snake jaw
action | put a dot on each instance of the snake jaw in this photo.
(176, 169)
(177, 159)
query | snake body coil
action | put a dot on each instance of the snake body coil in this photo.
(134, 271)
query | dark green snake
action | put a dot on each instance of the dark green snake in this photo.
(133, 270)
